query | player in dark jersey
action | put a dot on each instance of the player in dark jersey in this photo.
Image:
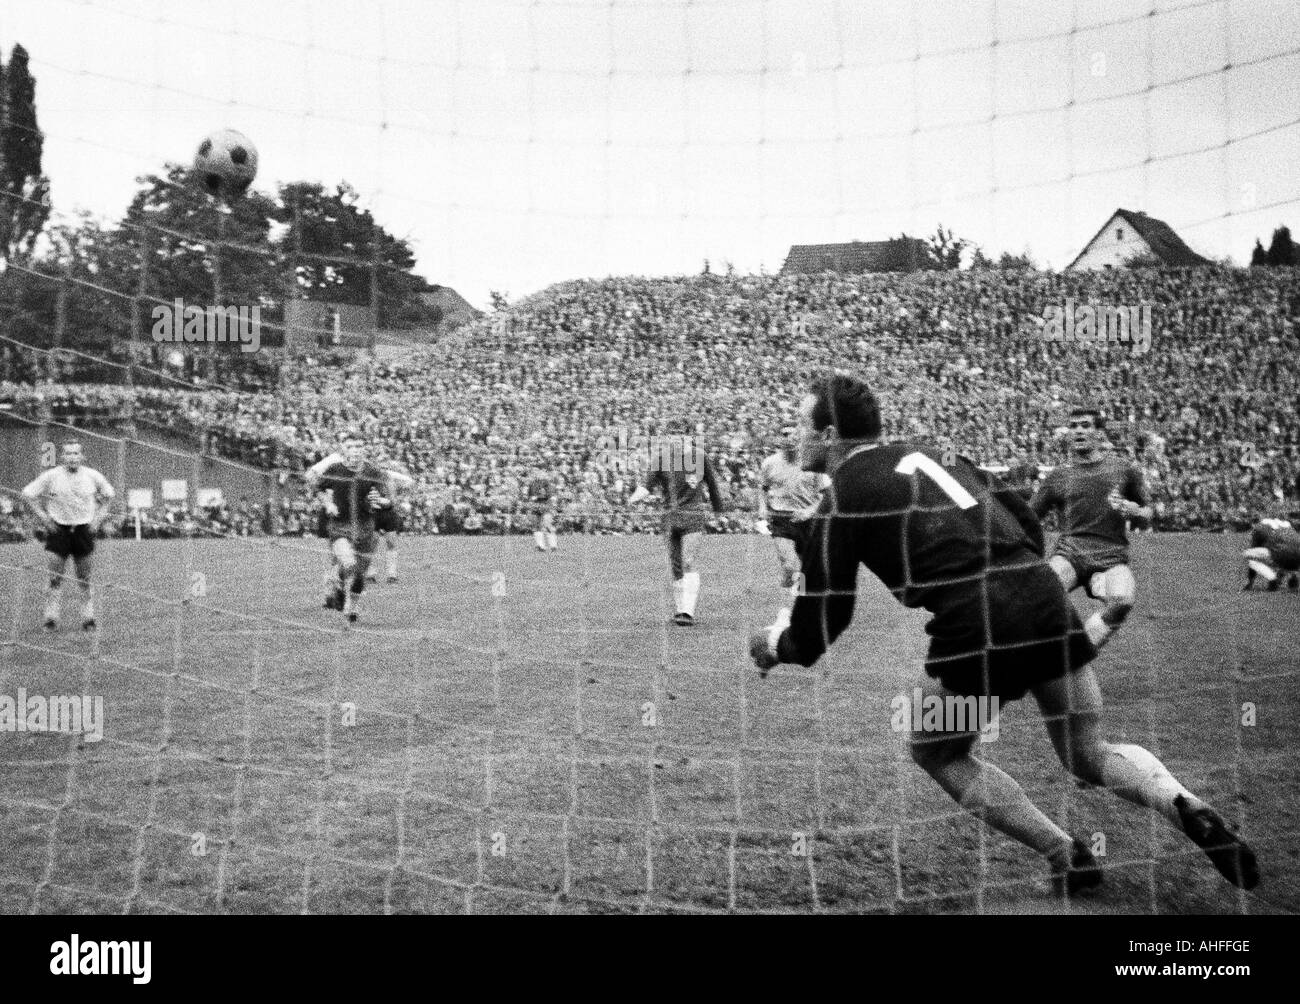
(1095, 494)
(352, 491)
(680, 469)
(1274, 547)
(954, 540)
(542, 503)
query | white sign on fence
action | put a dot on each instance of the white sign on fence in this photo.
(175, 489)
(139, 498)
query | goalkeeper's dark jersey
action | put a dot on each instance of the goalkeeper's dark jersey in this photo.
(350, 488)
(1082, 494)
(931, 534)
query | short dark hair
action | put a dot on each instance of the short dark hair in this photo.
(1098, 421)
(846, 403)
(352, 436)
(70, 442)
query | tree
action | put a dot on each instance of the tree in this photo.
(1282, 250)
(196, 248)
(498, 300)
(24, 191)
(1258, 256)
(338, 252)
(944, 250)
(1144, 259)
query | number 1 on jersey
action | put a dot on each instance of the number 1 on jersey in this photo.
(914, 462)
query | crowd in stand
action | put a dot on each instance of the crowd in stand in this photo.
(537, 394)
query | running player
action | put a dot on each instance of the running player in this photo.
(71, 500)
(1095, 494)
(788, 497)
(957, 542)
(352, 490)
(681, 470)
(1274, 547)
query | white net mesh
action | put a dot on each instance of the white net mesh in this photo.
(508, 728)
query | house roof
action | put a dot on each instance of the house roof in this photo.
(900, 254)
(1159, 235)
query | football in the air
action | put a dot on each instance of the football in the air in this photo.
(226, 163)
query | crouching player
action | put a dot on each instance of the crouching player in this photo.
(353, 491)
(1274, 550)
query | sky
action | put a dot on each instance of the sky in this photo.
(517, 144)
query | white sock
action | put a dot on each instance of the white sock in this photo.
(52, 597)
(87, 608)
(679, 595)
(539, 539)
(690, 592)
(1099, 631)
(1135, 775)
(350, 602)
(553, 541)
(392, 564)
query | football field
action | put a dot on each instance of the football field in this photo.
(509, 731)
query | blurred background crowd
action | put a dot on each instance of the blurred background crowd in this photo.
(519, 409)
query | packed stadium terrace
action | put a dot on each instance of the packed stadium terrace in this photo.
(956, 357)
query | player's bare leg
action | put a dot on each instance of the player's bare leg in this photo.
(1071, 707)
(1117, 590)
(53, 583)
(994, 797)
(82, 566)
(345, 566)
(390, 557)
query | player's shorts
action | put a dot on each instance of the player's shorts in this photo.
(361, 534)
(682, 521)
(786, 526)
(1088, 561)
(1032, 634)
(70, 541)
(389, 521)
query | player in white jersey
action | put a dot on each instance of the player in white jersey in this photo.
(788, 498)
(71, 500)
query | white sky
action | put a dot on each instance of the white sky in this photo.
(519, 144)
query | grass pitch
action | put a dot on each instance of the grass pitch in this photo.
(511, 731)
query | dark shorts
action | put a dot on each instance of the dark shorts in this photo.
(1032, 634)
(788, 528)
(388, 521)
(1088, 561)
(683, 521)
(361, 534)
(70, 541)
